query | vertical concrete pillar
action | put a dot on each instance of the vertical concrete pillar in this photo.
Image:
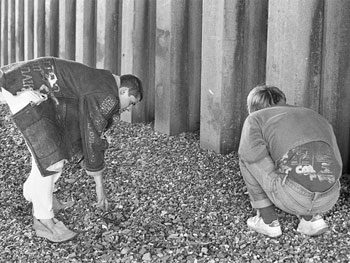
(28, 29)
(0, 31)
(39, 28)
(138, 53)
(176, 101)
(233, 61)
(85, 40)
(171, 94)
(4, 32)
(51, 28)
(335, 95)
(294, 49)
(11, 32)
(19, 30)
(108, 42)
(255, 44)
(193, 70)
(67, 24)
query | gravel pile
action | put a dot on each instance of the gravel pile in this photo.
(171, 201)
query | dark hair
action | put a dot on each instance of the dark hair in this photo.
(264, 96)
(134, 84)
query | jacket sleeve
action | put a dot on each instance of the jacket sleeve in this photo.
(252, 147)
(94, 113)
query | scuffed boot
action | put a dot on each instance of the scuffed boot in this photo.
(57, 232)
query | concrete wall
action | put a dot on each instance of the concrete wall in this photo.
(335, 79)
(198, 59)
(294, 49)
(233, 61)
(138, 29)
(308, 57)
(177, 66)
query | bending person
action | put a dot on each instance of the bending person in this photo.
(62, 109)
(289, 158)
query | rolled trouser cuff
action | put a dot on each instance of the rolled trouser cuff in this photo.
(261, 203)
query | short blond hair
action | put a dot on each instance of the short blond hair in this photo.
(264, 96)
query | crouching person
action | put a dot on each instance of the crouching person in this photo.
(289, 158)
(62, 109)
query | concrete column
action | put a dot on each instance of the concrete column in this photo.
(51, 28)
(4, 32)
(19, 30)
(39, 28)
(138, 53)
(177, 51)
(85, 40)
(0, 31)
(294, 49)
(335, 94)
(28, 29)
(233, 62)
(194, 16)
(11, 32)
(108, 35)
(67, 11)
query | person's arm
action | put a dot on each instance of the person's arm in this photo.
(266, 164)
(252, 147)
(94, 144)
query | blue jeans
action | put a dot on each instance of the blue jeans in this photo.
(267, 187)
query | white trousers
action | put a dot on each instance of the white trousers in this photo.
(36, 189)
(39, 190)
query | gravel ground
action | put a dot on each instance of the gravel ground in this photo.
(171, 201)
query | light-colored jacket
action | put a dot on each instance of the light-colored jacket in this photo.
(275, 130)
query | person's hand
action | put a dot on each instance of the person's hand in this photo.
(102, 201)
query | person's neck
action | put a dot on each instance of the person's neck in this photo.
(117, 80)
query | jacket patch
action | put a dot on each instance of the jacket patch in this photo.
(107, 105)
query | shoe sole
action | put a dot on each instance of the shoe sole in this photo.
(43, 234)
(266, 234)
(319, 232)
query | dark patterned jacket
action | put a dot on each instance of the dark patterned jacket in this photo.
(81, 102)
